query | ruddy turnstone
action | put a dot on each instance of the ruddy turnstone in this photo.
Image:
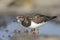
(34, 21)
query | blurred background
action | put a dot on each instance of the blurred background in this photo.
(10, 29)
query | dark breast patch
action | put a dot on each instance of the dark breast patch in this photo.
(26, 22)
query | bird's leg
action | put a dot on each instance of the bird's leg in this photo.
(26, 31)
(35, 32)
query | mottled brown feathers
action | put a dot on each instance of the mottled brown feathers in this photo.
(26, 20)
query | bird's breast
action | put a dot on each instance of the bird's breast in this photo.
(34, 25)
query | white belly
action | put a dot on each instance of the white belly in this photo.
(34, 25)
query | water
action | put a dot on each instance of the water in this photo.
(50, 28)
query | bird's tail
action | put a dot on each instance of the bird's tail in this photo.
(51, 18)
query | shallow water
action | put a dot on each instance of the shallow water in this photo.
(50, 28)
(31, 37)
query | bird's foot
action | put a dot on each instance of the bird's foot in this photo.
(35, 33)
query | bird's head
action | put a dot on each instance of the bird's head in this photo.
(20, 18)
(25, 21)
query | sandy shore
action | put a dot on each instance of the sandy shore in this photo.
(24, 36)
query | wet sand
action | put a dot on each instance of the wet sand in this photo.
(24, 36)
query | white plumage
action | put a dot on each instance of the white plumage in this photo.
(34, 25)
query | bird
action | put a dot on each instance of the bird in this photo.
(34, 21)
